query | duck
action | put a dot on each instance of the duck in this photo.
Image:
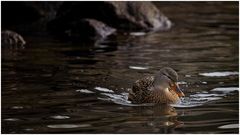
(161, 88)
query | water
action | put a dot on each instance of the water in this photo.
(54, 86)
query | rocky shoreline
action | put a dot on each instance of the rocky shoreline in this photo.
(83, 21)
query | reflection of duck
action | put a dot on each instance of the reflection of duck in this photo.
(158, 110)
(161, 118)
(161, 88)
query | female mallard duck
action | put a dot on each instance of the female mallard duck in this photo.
(161, 88)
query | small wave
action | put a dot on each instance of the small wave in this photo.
(103, 89)
(204, 82)
(11, 119)
(137, 33)
(193, 100)
(68, 126)
(28, 129)
(226, 89)
(188, 76)
(138, 68)
(203, 97)
(182, 82)
(60, 117)
(219, 74)
(197, 99)
(229, 126)
(117, 98)
(85, 91)
(17, 107)
(121, 99)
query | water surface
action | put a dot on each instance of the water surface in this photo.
(54, 86)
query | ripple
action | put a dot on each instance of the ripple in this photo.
(226, 89)
(193, 100)
(229, 126)
(219, 74)
(198, 99)
(85, 91)
(11, 119)
(182, 82)
(204, 82)
(137, 33)
(121, 99)
(68, 126)
(201, 95)
(60, 117)
(117, 98)
(17, 107)
(138, 68)
(28, 129)
(103, 89)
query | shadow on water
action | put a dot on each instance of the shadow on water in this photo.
(53, 86)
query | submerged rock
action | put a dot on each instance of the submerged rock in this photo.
(89, 29)
(12, 39)
(123, 15)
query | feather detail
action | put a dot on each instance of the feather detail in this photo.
(143, 91)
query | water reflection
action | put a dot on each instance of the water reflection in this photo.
(62, 126)
(219, 74)
(158, 118)
(59, 117)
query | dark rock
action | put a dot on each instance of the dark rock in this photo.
(89, 29)
(12, 39)
(18, 13)
(130, 16)
(23, 13)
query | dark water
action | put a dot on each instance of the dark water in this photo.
(53, 86)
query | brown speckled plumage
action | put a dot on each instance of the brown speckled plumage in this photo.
(143, 91)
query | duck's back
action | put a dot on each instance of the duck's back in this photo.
(141, 89)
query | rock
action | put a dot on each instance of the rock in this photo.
(18, 13)
(12, 39)
(89, 29)
(123, 15)
(26, 13)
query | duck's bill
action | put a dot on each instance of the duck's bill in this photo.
(179, 91)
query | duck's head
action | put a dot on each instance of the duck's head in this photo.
(167, 78)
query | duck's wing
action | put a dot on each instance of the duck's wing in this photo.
(143, 84)
(141, 88)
